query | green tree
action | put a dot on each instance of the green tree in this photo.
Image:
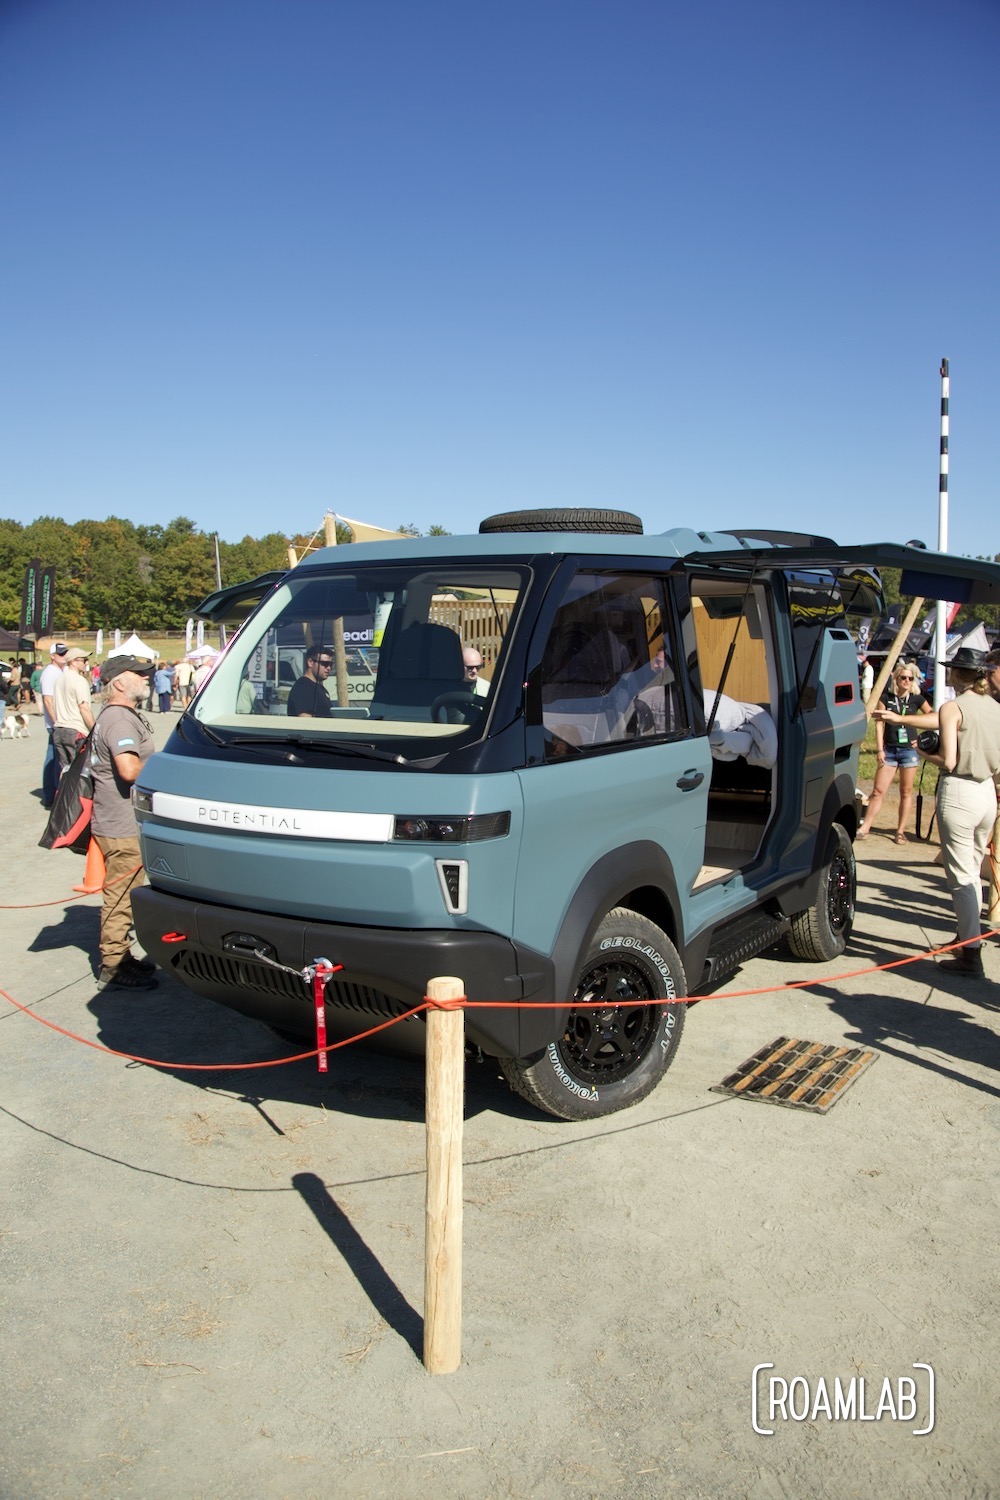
(13, 557)
(183, 573)
(116, 584)
(240, 561)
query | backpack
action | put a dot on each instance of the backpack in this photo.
(69, 821)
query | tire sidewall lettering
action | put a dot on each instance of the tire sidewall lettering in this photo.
(646, 950)
(581, 1090)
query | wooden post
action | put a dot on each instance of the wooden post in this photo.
(339, 650)
(443, 1204)
(893, 657)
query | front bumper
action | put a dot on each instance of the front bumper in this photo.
(209, 948)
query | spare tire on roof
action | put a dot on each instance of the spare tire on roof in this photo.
(620, 521)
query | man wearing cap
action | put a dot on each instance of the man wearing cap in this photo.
(121, 742)
(74, 717)
(47, 688)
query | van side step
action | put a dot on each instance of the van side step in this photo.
(733, 944)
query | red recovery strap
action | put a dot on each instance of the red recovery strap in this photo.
(322, 968)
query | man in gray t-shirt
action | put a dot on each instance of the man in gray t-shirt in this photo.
(121, 742)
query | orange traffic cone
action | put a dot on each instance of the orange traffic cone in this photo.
(93, 870)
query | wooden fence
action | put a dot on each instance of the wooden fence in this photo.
(481, 623)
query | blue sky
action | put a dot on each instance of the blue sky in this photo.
(425, 261)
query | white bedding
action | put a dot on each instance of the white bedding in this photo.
(741, 729)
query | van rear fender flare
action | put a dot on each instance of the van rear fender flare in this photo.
(841, 807)
(838, 807)
(638, 876)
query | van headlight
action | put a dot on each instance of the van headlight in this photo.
(465, 829)
(142, 801)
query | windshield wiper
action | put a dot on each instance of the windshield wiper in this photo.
(218, 739)
(215, 738)
(327, 747)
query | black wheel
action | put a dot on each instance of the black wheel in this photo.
(564, 520)
(610, 1057)
(821, 932)
(461, 707)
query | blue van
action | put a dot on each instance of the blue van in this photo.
(564, 761)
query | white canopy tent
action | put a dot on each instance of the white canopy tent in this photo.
(976, 638)
(134, 647)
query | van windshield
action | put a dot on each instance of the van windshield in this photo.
(402, 658)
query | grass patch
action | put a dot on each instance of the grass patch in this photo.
(167, 647)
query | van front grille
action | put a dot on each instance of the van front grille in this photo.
(226, 972)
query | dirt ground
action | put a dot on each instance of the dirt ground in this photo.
(212, 1282)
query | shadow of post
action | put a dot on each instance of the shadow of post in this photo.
(373, 1279)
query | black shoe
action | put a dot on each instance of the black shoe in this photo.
(127, 976)
(145, 964)
(964, 961)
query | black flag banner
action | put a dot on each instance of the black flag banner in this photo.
(31, 598)
(46, 606)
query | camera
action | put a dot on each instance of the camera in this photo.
(929, 741)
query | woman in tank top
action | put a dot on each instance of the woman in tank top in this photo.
(969, 758)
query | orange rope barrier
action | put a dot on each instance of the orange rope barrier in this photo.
(33, 905)
(465, 1004)
(158, 1062)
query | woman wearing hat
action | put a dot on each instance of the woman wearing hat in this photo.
(969, 758)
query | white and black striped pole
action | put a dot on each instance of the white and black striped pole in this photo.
(941, 617)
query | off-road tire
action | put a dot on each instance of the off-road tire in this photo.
(612, 521)
(610, 1058)
(822, 931)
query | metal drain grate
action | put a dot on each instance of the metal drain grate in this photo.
(803, 1075)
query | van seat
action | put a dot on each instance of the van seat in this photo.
(424, 662)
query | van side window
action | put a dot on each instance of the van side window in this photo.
(608, 672)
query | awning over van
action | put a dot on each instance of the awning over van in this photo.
(933, 575)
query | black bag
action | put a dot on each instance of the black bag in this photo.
(69, 821)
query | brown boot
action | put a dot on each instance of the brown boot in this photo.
(964, 961)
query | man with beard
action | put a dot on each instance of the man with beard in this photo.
(309, 698)
(122, 740)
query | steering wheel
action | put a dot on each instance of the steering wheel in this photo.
(458, 708)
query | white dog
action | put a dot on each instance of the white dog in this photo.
(15, 725)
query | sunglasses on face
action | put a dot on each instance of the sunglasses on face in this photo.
(326, 664)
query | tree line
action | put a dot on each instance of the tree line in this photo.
(114, 573)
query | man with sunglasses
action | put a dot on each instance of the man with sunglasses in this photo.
(472, 664)
(309, 698)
